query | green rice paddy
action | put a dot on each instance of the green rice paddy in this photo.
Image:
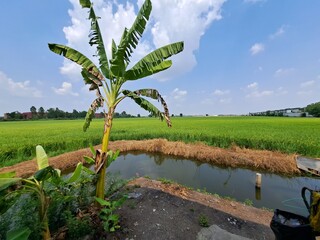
(288, 135)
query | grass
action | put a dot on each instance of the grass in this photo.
(288, 135)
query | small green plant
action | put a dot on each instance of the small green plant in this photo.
(35, 187)
(77, 228)
(165, 181)
(216, 195)
(114, 183)
(107, 215)
(203, 221)
(267, 209)
(248, 202)
(132, 205)
(229, 198)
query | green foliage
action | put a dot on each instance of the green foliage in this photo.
(165, 181)
(110, 220)
(248, 202)
(314, 109)
(22, 214)
(113, 183)
(203, 220)
(77, 227)
(35, 187)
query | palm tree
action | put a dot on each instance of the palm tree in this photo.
(112, 74)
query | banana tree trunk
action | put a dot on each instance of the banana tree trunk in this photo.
(44, 217)
(105, 144)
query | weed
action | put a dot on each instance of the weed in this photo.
(203, 221)
(165, 181)
(267, 209)
(216, 195)
(77, 228)
(248, 202)
(113, 183)
(132, 205)
(229, 198)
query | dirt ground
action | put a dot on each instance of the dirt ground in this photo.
(170, 211)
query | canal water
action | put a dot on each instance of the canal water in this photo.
(276, 191)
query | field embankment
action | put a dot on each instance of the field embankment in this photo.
(286, 135)
(262, 160)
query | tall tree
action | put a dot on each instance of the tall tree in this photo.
(41, 112)
(112, 74)
(33, 111)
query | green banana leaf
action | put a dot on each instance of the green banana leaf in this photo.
(76, 174)
(46, 173)
(76, 57)
(130, 39)
(7, 182)
(18, 234)
(42, 158)
(154, 62)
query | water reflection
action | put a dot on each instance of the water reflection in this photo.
(276, 191)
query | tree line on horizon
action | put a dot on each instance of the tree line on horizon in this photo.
(56, 113)
(312, 109)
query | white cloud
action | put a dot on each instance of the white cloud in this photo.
(284, 72)
(257, 48)
(221, 92)
(254, 91)
(253, 85)
(164, 27)
(178, 94)
(66, 89)
(308, 84)
(21, 89)
(278, 33)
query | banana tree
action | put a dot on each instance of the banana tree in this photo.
(111, 74)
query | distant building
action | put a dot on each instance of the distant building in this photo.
(288, 112)
(27, 115)
(99, 115)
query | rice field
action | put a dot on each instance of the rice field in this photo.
(287, 135)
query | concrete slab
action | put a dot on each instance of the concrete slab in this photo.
(216, 233)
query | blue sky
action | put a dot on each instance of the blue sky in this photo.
(240, 56)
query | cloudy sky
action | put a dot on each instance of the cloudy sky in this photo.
(240, 56)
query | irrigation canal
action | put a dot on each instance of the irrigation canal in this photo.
(276, 191)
